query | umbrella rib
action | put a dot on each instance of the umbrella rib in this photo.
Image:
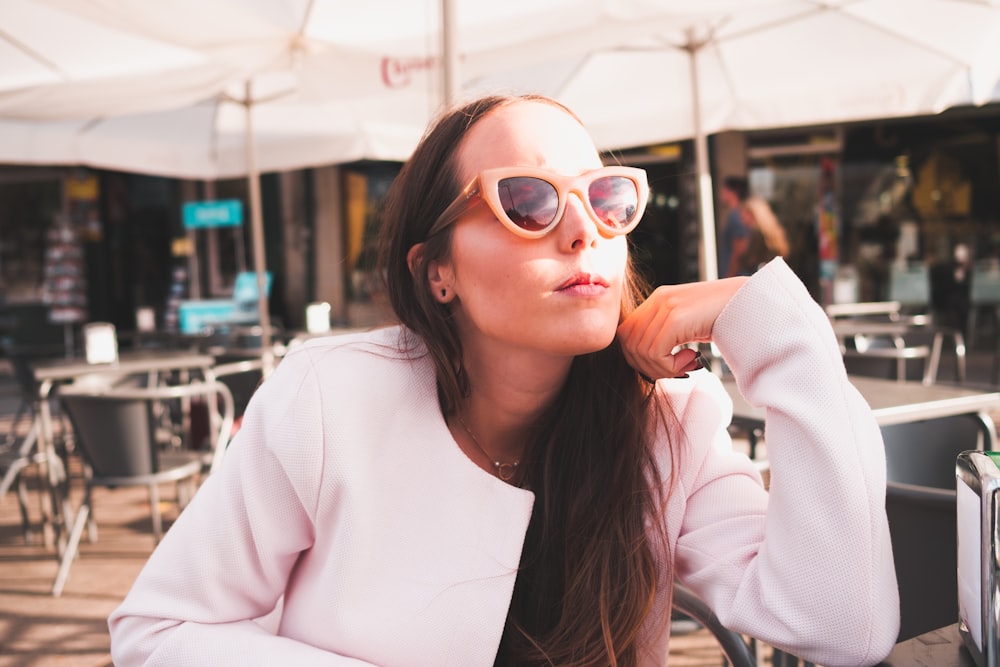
(572, 75)
(694, 44)
(30, 52)
(823, 6)
(818, 7)
(306, 15)
(886, 29)
(259, 100)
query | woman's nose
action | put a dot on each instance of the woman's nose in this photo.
(576, 229)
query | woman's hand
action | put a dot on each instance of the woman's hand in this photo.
(674, 315)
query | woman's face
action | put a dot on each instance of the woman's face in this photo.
(560, 294)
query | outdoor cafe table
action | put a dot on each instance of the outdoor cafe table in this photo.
(892, 402)
(50, 372)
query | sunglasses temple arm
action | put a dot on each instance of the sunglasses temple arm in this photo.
(454, 211)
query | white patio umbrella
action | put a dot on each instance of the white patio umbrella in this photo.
(280, 85)
(747, 66)
(208, 140)
(52, 47)
(636, 71)
(310, 82)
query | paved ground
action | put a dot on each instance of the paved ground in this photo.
(37, 630)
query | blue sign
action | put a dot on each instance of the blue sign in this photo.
(207, 214)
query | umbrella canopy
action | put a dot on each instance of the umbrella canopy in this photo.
(56, 60)
(208, 140)
(350, 80)
(779, 64)
(774, 64)
(280, 84)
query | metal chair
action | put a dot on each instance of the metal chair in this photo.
(733, 646)
(921, 507)
(19, 449)
(117, 433)
(910, 286)
(922, 527)
(924, 452)
(21, 358)
(242, 376)
(984, 296)
(17, 455)
(888, 358)
(876, 339)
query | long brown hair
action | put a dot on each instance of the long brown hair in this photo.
(588, 577)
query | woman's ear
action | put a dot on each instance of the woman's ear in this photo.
(439, 275)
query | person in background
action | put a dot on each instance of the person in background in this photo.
(766, 237)
(951, 290)
(736, 230)
(518, 471)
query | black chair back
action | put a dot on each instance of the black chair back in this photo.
(923, 530)
(115, 434)
(118, 435)
(924, 452)
(242, 376)
(119, 428)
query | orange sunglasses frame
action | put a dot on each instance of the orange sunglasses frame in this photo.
(485, 186)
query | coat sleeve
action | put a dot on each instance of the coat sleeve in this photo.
(227, 558)
(806, 567)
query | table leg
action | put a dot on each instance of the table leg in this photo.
(931, 367)
(959, 354)
(55, 516)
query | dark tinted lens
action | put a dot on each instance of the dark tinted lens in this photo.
(530, 203)
(615, 200)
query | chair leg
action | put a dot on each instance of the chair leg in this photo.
(25, 408)
(960, 364)
(933, 360)
(14, 477)
(91, 528)
(971, 326)
(154, 507)
(186, 488)
(22, 501)
(72, 546)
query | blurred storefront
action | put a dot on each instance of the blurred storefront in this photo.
(855, 200)
(918, 188)
(365, 187)
(81, 245)
(860, 198)
(666, 244)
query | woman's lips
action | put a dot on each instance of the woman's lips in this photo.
(584, 284)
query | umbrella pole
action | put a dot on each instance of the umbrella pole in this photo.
(257, 232)
(709, 252)
(449, 56)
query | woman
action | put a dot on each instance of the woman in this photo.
(495, 482)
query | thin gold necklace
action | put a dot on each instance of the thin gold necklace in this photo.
(505, 471)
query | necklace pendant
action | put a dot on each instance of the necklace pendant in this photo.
(505, 471)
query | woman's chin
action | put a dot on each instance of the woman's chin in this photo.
(584, 341)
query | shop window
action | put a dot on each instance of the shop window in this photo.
(29, 204)
(365, 188)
